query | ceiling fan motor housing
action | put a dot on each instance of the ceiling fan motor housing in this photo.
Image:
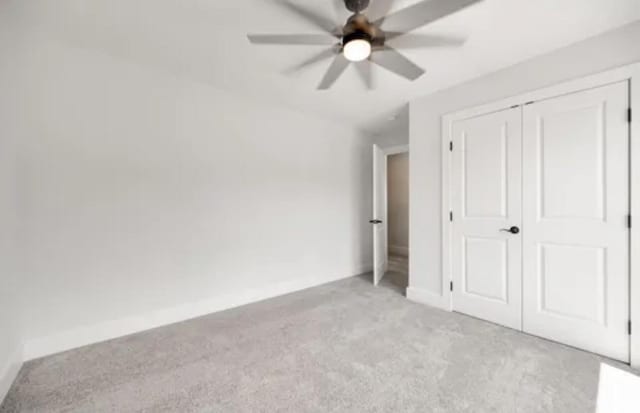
(356, 6)
(359, 27)
(357, 35)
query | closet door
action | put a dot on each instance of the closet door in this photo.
(575, 211)
(486, 200)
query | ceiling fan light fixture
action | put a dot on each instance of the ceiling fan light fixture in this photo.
(360, 39)
(356, 46)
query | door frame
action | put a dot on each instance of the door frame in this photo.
(629, 73)
(387, 151)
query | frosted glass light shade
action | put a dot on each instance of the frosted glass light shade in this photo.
(357, 50)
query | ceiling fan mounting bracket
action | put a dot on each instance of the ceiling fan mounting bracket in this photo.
(356, 6)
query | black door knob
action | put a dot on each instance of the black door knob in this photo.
(513, 230)
(375, 221)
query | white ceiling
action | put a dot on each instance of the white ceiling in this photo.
(205, 40)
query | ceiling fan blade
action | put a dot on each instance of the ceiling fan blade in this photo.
(321, 22)
(417, 41)
(422, 13)
(319, 57)
(364, 70)
(378, 9)
(394, 61)
(337, 67)
(291, 39)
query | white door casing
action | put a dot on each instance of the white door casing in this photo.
(379, 214)
(575, 212)
(486, 201)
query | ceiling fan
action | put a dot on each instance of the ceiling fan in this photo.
(364, 37)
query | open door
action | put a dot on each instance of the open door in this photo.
(379, 214)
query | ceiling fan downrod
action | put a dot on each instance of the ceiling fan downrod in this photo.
(356, 6)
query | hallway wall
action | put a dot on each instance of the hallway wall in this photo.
(398, 203)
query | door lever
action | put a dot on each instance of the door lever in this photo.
(513, 230)
(375, 221)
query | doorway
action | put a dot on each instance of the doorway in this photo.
(391, 217)
(539, 217)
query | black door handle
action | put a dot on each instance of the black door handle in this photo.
(375, 221)
(513, 230)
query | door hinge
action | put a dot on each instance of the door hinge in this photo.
(629, 327)
(451, 216)
(450, 146)
(451, 286)
(629, 116)
(629, 220)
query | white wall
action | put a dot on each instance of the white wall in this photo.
(394, 130)
(10, 334)
(398, 202)
(149, 199)
(594, 55)
(10, 337)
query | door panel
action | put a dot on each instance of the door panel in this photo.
(562, 267)
(486, 197)
(571, 162)
(478, 255)
(575, 207)
(484, 148)
(379, 214)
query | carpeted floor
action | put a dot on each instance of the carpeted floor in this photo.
(397, 275)
(342, 347)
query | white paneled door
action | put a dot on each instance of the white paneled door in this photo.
(379, 214)
(486, 199)
(575, 209)
(540, 234)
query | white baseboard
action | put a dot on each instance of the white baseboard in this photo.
(399, 250)
(107, 330)
(9, 372)
(427, 297)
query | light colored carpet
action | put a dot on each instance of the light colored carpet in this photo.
(397, 275)
(342, 347)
